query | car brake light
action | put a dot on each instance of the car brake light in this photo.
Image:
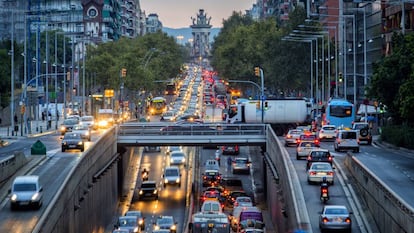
(330, 173)
(288, 136)
(325, 220)
(309, 158)
(312, 173)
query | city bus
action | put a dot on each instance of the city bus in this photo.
(157, 106)
(340, 112)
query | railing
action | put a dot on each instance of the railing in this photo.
(190, 134)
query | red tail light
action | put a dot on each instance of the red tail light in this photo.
(312, 173)
(348, 220)
(325, 220)
(330, 173)
(325, 190)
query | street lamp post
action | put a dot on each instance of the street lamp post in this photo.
(293, 39)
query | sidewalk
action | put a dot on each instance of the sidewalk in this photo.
(32, 129)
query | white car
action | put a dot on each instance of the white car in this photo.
(347, 140)
(172, 176)
(83, 130)
(177, 158)
(303, 149)
(243, 201)
(335, 217)
(319, 170)
(89, 121)
(327, 132)
(169, 116)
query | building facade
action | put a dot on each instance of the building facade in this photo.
(200, 29)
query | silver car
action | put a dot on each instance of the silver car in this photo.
(177, 158)
(240, 165)
(304, 148)
(292, 136)
(335, 217)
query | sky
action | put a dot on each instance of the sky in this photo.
(178, 13)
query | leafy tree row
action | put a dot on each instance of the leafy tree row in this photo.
(392, 81)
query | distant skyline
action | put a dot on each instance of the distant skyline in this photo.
(178, 13)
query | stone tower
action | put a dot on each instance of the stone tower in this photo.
(201, 34)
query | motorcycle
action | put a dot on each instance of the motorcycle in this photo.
(324, 192)
(144, 175)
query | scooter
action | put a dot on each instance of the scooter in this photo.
(324, 196)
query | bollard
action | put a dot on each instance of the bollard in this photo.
(41, 129)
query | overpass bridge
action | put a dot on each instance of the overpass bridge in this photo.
(162, 134)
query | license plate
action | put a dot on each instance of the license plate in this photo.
(72, 146)
(321, 173)
(24, 203)
(338, 220)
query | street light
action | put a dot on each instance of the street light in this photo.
(293, 39)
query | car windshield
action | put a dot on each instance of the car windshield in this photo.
(328, 128)
(320, 154)
(72, 136)
(349, 135)
(244, 199)
(87, 118)
(70, 122)
(146, 185)
(80, 127)
(25, 187)
(321, 166)
(171, 172)
(211, 206)
(177, 155)
(360, 126)
(336, 211)
(127, 222)
(164, 221)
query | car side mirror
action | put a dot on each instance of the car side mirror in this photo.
(41, 189)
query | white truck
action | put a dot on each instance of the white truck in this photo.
(203, 222)
(282, 114)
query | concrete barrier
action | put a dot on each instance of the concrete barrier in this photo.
(11, 164)
(390, 212)
(89, 195)
(284, 194)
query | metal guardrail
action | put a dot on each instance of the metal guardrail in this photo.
(142, 134)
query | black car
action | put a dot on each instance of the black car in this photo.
(73, 141)
(318, 155)
(211, 178)
(148, 189)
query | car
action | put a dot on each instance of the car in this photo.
(138, 214)
(209, 195)
(243, 201)
(172, 176)
(173, 148)
(318, 170)
(230, 150)
(292, 136)
(165, 222)
(73, 141)
(347, 140)
(211, 164)
(152, 149)
(67, 125)
(319, 155)
(230, 184)
(303, 149)
(169, 116)
(129, 223)
(211, 178)
(148, 189)
(308, 137)
(335, 217)
(364, 132)
(233, 195)
(177, 158)
(89, 121)
(26, 191)
(327, 132)
(83, 130)
(120, 231)
(240, 165)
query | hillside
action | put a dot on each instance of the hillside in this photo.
(186, 33)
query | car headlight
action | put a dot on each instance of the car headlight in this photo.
(156, 227)
(177, 180)
(173, 227)
(80, 143)
(86, 133)
(13, 197)
(140, 222)
(62, 128)
(155, 191)
(136, 229)
(140, 192)
(165, 180)
(35, 196)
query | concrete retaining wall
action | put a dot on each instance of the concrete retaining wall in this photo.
(88, 197)
(390, 212)
(11, 164)
(283, 191)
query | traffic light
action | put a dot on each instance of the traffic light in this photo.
(123, 72)
(340, 77)
(257, 71)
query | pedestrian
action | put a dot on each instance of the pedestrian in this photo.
(43, 116)
(57, 115)
(15, 119)
(49, 121)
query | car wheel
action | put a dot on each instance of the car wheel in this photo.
(82, 149)
(13, 206)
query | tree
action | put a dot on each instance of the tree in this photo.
(392, 79)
